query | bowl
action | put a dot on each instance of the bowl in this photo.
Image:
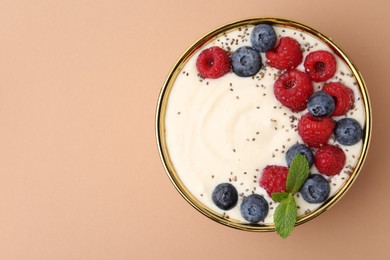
(175, 173)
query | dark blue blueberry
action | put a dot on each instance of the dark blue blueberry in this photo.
(254, 208)
(263, 37)
(225, 196)
(246, 61)
(348, 131)
(315, 189)
(302, 149)
(321, 104)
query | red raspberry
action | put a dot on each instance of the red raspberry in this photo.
(293, 88)
(273, 179)
(343, 96)
(315, 131)
(329, 160)
(320, 65)
(213, 63)
(286, 55)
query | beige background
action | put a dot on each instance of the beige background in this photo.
(80, 176)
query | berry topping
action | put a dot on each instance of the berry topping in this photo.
(302, 149)
(348, 131)
(263, 37)
(293, 88)
(213, 63)
(329, 160)
(254, 208)
(286, 55)
(246, 61)
(273, 179)
(343, 97)
(321, 104)
(316, 189)
(320, 65)
(314, 131)
(225, 196)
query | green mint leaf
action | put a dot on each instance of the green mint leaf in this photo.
(297, 173)
(279, 196)
(285, 216)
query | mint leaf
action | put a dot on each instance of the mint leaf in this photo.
(285, 216)
(279, 196)
(297, 173)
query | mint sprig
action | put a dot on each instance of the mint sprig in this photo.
(285, 215)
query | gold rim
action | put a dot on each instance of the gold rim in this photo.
(162, 103)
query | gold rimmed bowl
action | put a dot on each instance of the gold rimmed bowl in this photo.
(161, 122)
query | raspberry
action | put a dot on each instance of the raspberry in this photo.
(329, 160)
(315, 131)
(343, 96)
(286, 55)
(273, 179)
(293, 88)
(320, 65)
(213, 63)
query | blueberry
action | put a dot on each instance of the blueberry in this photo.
(348, 131)
(321, 104)
(263, 37)
(302, 149)
(315, 189)
(254, 208)
(225, 196)
(246, 61)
